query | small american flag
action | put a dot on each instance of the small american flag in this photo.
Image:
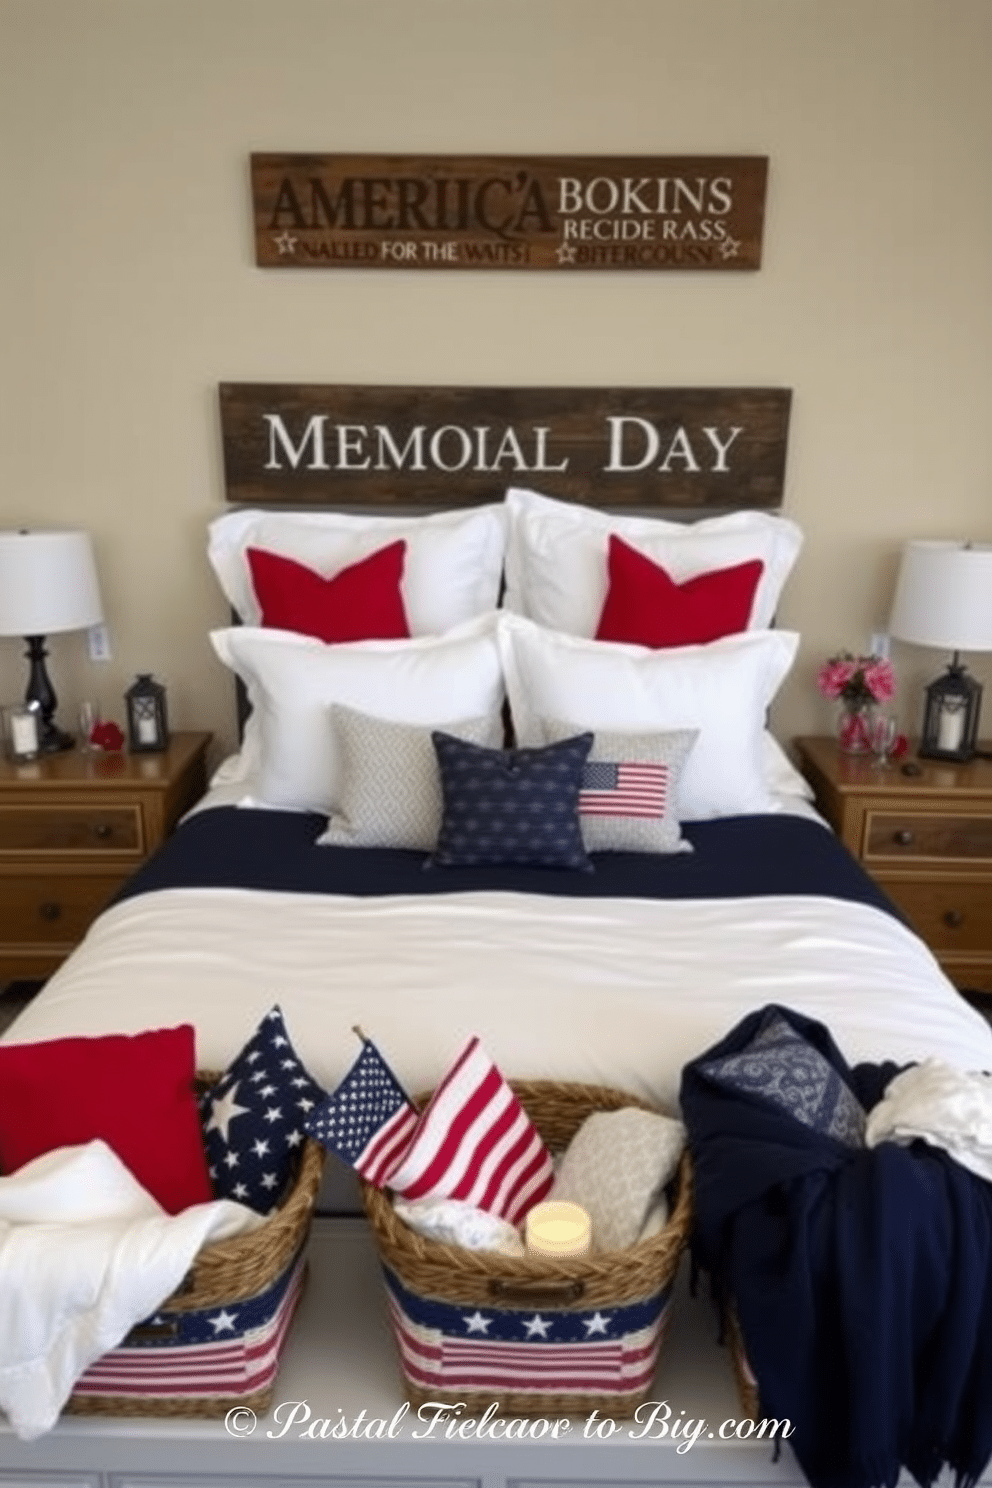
(494, 1349)
(623, 789)
(476, 1143)
(368, 1120)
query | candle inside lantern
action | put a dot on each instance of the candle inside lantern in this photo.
(950, 728)
(558, 1228)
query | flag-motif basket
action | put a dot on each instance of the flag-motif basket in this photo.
(216, 1342)
(535, 1336)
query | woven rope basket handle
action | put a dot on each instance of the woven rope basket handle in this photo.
(536, 1293)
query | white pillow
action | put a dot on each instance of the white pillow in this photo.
(722, 689)
(390, 784)
(556, 556)
(293, 682)
(452, 569)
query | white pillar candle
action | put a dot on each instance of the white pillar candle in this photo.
(24, 733)
(558, 1228)
(950, 729)
(147, 732)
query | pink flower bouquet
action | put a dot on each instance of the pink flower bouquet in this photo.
(857, 681)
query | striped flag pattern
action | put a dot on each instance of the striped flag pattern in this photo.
(475, 1142)
(625, 788)
(221, 1351)
(369, 1120)
(497, 1350)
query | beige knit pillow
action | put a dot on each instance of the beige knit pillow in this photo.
(616, 1167)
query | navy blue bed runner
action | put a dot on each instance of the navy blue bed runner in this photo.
(231, 847)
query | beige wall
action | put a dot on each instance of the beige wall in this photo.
(127, 287)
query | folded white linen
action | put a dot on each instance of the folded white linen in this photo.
(946, 1107)
(456, 1223)
(85, 1253)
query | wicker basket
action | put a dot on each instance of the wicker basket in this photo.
(263, 1272)
(747, 1385)
(631, 1288)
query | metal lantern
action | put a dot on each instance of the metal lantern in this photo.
(950, 720)
(147, 725)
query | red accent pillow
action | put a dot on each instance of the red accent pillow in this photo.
(646, 606)
(360, 603)
(133, 1090)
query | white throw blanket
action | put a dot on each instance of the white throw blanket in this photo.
(949, 1108)
(85, 1253)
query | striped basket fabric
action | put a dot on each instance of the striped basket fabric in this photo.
(218, 1340)
(535, 1336)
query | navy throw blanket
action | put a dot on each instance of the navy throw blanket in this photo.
(862, 1277)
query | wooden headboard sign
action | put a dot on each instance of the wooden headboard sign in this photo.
(684, 448)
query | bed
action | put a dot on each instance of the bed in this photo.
(339, 868)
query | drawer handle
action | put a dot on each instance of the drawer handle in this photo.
(50, 910)
(954, 919)
(903, 837)
(103, 830)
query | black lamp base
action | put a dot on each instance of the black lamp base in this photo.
(51, 739)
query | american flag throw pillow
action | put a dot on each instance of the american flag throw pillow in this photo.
(628, 795)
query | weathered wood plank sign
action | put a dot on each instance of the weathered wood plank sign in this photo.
(454, 446)
(517, 212)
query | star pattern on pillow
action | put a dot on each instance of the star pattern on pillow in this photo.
(511, 805)
(253, 1118)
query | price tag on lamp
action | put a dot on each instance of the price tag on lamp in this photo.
(147, 722)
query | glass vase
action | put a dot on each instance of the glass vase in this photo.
(854, 728)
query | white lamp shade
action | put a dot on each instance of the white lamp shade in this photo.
(48, 583)
(944, 596)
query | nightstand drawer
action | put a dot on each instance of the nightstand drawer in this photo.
(895, 836)
(949, 916)
(43, 911)
(42, 828)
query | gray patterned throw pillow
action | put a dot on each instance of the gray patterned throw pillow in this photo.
(627, 800)
(390, 792)
(511, 805)
(780, 1066)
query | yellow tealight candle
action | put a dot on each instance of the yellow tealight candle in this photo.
(558, 1228)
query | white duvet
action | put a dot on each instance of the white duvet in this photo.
(617, 991)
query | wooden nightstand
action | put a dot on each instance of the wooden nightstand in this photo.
(73, 826)
(926, 838)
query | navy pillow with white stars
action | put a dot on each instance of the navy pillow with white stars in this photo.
(511, 805)
(253, 1118)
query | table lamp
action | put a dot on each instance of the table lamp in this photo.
(944, 599)
(48, 583)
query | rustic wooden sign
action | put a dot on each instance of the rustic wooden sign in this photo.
(508, 212)
(455, 446)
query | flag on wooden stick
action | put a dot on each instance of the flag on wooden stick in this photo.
(475, 1142)
(369, 1119)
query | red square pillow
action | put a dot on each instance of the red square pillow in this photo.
(362, 602)
(644, 605)
(133, 1090)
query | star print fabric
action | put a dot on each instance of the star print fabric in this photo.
(253, 1118)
